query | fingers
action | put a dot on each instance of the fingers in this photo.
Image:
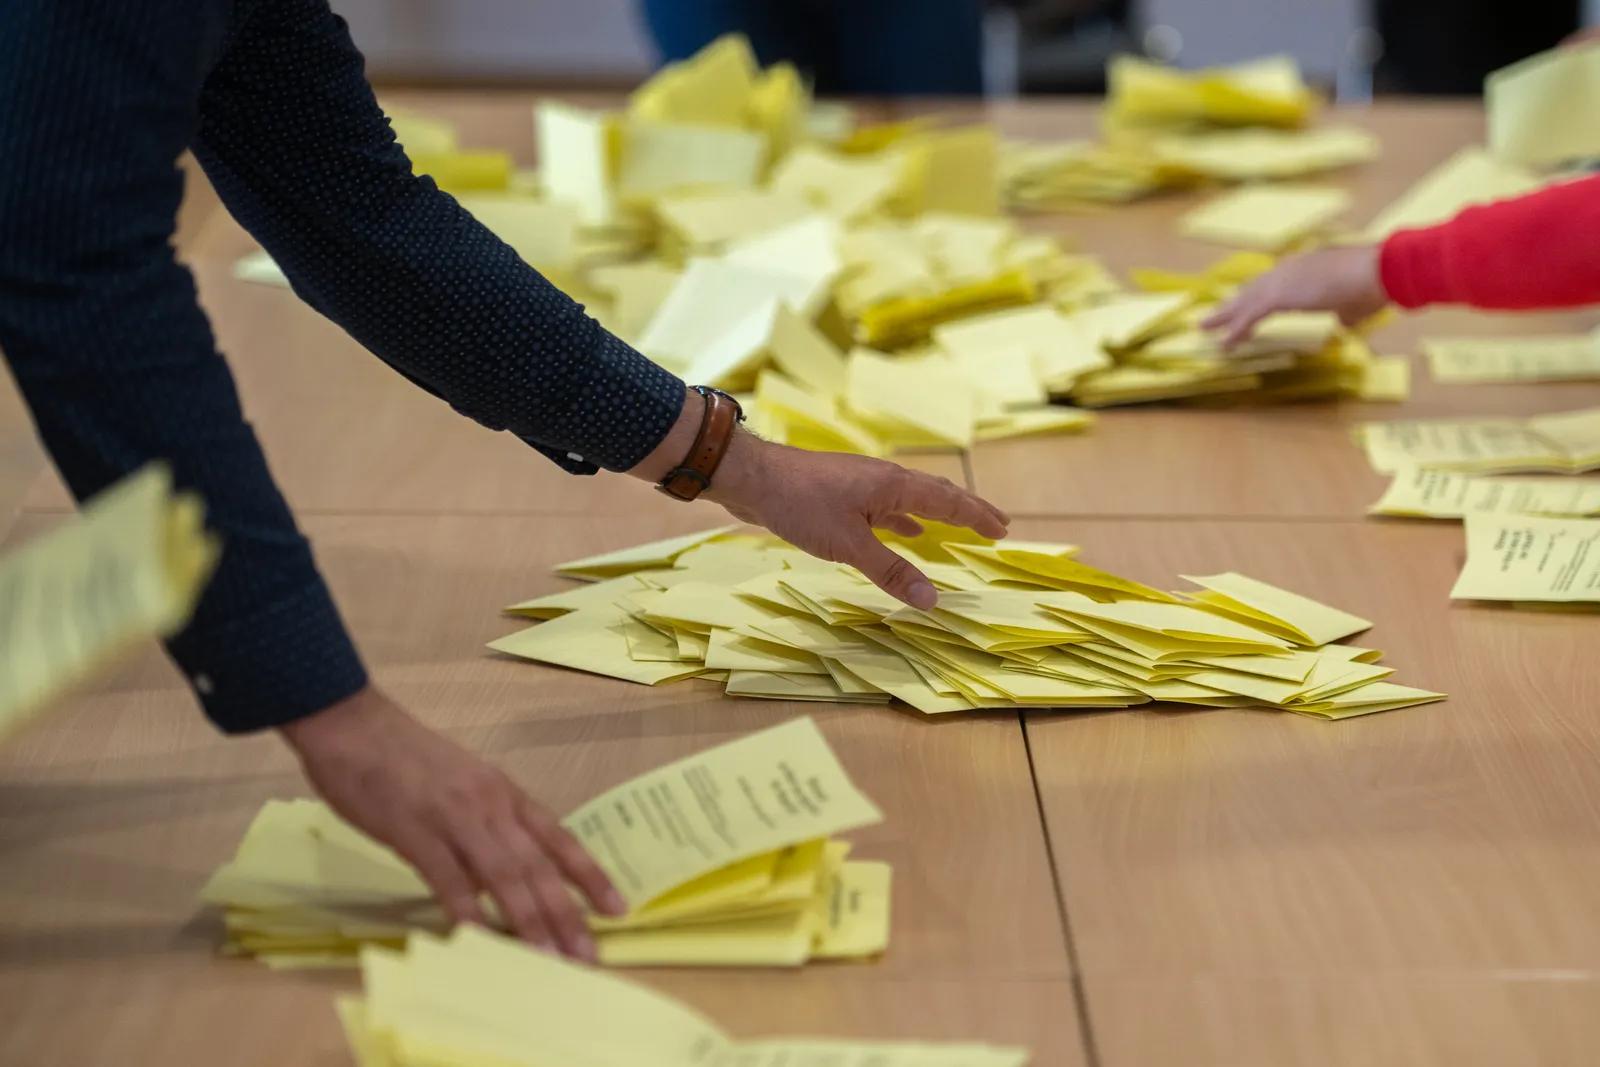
(904, 525)
(891, 572)
(942, 500)
(439, 866)
(572, 859)
(1237, 320)
(504, 865)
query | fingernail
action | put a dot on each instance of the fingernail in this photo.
(922, 595)
(613, 902)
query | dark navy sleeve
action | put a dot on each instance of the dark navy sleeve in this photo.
(299, 151)
(100, 325)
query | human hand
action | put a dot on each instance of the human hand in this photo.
(828, 503)
(1582, 38)
(460, 822)
(1344, 280)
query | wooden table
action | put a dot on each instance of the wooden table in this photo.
(1125, 889)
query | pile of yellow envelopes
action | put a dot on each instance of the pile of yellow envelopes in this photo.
(76, 599)
(1017, 625)
(466, 1001)
(1167, 128)
(861, 290)
(1152, 348)
(750, 877)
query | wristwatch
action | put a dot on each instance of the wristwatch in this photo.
(693, 476)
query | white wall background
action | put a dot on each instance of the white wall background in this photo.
(555, 39)
(1315, 32)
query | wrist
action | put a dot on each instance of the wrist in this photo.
(676, 444)
(745, 470)
(334, 722)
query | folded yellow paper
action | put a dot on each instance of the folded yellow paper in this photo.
(1480, 360)
(1538, 108)
(463, 1001)
(1435, 494)
(77, 598)
(1269, 217)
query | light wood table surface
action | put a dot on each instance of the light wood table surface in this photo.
(1113, 889)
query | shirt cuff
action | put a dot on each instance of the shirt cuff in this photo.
(272, 666)
(1412, 268)
(624, 408)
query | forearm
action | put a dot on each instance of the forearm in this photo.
(400, 265)
(101, 328)
(1530, 252)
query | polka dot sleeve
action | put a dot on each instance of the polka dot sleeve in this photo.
(296, 146)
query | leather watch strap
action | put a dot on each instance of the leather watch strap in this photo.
(693, 476)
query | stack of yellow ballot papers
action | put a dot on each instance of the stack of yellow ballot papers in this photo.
(1486, 360)
(751, 875)
(1018, 625)
(1170, 129)
(1531, 560)
(1422, 493)
(1568, 442)
(479, 999)
(78, 598)
(1156, 350)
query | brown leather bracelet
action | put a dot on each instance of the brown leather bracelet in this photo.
(693, 476)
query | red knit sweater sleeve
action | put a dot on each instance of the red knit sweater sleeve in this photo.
(1536, 251)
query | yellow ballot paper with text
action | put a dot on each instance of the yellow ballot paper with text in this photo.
(1530, 558)
(758, 794)
(1420, 493)
(130, 568)
(1482, 360)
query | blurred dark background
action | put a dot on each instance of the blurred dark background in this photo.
(1355, 47)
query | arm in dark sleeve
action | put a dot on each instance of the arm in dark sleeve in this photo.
(103, 333)
(296, 146)
(1533, 251)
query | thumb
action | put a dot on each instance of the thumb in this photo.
(891, 572)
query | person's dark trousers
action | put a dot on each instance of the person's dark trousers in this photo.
(849, 47)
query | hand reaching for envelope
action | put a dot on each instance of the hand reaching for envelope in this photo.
(1343, 280)
(828, 504)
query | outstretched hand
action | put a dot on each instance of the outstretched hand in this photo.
(1343, 280)
(465, 826)
(828, 503)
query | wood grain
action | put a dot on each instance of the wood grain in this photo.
(113, 811)
(1455, 837)
(1298, 1020)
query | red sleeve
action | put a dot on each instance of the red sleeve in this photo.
(1536, 251)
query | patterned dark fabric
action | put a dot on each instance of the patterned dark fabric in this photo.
(100, 325)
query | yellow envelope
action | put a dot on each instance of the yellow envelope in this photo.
(578, 156)
(910, 398)
(1469, 177)
(1268, 217)
(1277, 611)
(650, 556)
(1538, 108)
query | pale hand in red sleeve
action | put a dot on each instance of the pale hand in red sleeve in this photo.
(1342, 280)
